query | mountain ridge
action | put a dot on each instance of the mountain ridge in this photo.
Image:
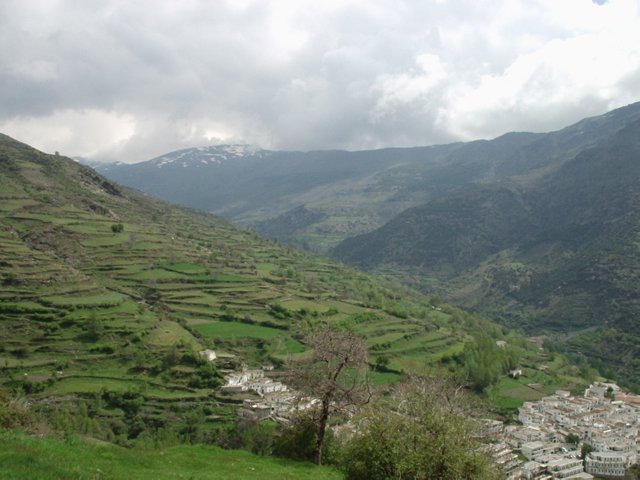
(353, 192)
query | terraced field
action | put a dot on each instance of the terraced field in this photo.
(104, 289)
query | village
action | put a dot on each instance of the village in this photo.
(558, 437)
(274, 399)
(569, 437)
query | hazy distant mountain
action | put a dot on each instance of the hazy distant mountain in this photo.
(347, 193)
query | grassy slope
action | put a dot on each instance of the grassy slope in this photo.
(47, 458)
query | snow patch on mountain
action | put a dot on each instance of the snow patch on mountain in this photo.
(209, 155)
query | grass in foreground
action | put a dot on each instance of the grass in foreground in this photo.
(22, 456)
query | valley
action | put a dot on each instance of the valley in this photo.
(355, 240)
(109, 297)
(112, 299)
(535, 231)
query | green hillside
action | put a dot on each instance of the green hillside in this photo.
(166, 275)
(536, 231)
(108, 297)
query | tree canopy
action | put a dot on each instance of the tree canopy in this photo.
(421, 431)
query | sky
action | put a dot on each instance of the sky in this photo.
(128, 80)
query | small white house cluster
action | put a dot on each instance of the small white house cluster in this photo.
(253, 380)
(278, 406)
(276, 399)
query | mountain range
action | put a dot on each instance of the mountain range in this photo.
(317, 199)
(536, 230)
(555, 250)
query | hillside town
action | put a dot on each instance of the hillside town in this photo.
(558, 437)
(566, 437)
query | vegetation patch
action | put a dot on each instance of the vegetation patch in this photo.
(169, 333)
(185, 267)
(48, 458)
(110, 299)
(228, 330)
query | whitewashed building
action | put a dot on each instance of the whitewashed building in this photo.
(208, 355)
(610, 464)
(565, 467)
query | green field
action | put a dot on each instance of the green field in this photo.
(102, 300)
(236, 329)
(23, 457)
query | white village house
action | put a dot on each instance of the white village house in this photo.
(208, 355)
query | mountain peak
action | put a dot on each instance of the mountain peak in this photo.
(210, 154)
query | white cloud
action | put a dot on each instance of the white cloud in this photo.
(151, 76)
(82, 133)
(578, 72)
(408, 87)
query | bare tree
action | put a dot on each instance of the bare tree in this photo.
(335, 374)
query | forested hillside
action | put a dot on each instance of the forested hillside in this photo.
(535, 230)
(555, 254)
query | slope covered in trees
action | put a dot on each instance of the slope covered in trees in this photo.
(558, 253)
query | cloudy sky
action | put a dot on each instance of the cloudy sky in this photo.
(131, 79)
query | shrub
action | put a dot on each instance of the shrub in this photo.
(260, 438)
(297, 441)
(423, 431)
